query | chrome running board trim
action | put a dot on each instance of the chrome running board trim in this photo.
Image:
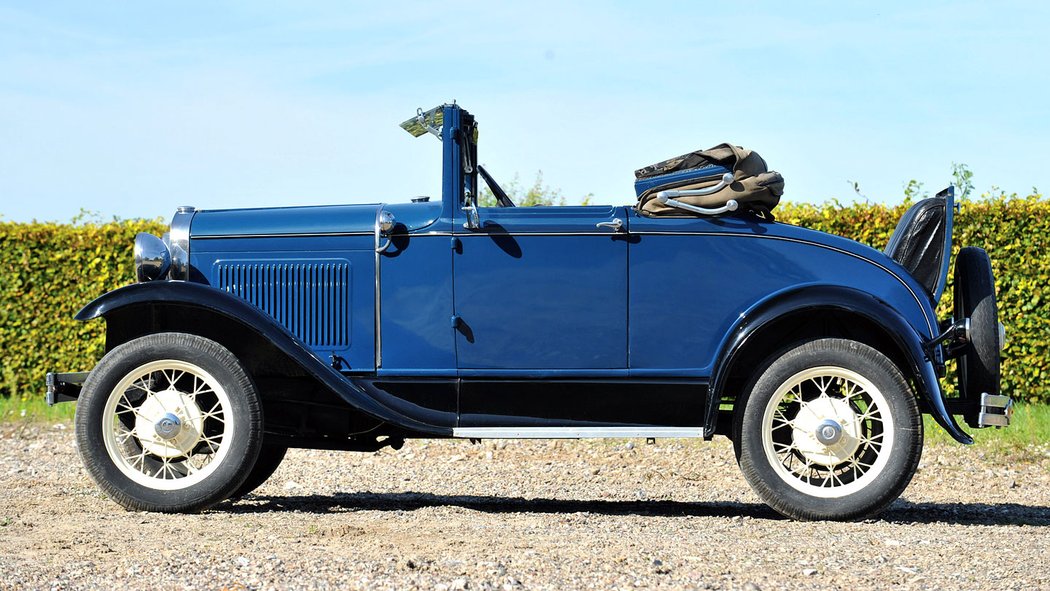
(573, 432)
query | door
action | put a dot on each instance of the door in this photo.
(541, 289)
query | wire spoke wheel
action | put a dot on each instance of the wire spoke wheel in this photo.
(826, 433)
(165, 424)
(169, 422)
(828, 429)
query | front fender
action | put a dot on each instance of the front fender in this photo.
(196, 295)
(843, 299)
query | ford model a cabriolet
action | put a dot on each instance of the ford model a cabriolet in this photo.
(691, 314)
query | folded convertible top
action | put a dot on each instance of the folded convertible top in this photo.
(699, 179)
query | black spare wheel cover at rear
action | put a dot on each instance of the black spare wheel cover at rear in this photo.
(975, 299)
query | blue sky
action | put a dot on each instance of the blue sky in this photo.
(131, 109)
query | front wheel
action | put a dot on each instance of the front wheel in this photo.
(270, 458)
(829, 429)
(169, 422)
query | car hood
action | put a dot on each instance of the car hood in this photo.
(306, 221)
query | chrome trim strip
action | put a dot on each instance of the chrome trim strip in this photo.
(379, 255)
(482, 233)
(573, 432)
(277, 235)
(595, 233)
(179, 243)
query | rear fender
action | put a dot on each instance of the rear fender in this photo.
(838, 299)
(160, 294)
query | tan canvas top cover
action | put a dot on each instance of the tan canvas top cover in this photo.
(755, 188)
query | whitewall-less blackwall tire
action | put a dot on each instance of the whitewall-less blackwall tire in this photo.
(169, 422)
(829, 429)
(978, 364)
(270, 458)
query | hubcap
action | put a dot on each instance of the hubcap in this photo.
(826, 431)
(168, 427)
(829, 432)
(168, 424)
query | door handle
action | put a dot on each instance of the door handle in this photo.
(616, 224)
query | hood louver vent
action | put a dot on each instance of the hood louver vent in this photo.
(311, 299)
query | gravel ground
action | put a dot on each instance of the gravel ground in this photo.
(520, 515)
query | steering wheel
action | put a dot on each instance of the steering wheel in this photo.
(501, 195)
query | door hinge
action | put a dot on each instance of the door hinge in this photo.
(456, 321)
(456, 244)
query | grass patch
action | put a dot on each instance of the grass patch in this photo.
(14, 409)
(1029, 427)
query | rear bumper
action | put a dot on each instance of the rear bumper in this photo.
(64, 387)
(990, 410)
(995, 411)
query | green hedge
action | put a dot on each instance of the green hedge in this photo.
(1014, 230)
(48, 271)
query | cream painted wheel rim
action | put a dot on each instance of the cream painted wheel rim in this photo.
(168, 424)
(827, 432)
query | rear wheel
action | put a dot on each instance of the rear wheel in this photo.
(169, 422)
(828, 430)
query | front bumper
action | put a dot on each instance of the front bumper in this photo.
(64, 387)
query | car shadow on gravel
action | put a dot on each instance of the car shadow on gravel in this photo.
(967, 513)
(410, 501)
(900, 512)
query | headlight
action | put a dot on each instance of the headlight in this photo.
(152, 258)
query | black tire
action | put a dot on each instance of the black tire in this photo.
(270, 457)
(978, 361)
(208, 452)
(812, 494)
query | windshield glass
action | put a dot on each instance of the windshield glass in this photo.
(426, 122)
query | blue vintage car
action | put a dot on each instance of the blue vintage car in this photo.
(356, 327)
